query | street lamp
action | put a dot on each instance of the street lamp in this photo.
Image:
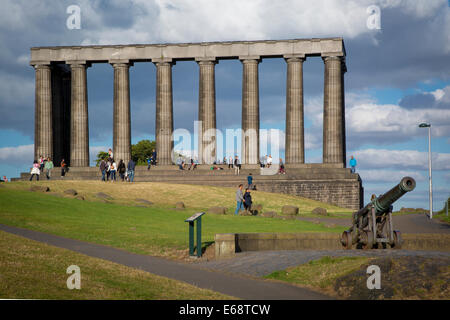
(428, 125)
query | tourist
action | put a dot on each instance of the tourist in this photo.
(239, 199)
(63, 168)
(121, 169)
(35, 170)
(352, 164)
(154, 157)
(131, 168)
(247, 200)
(269, 161)
(48, 168)
(108, 169)
(149, 162)
(249, 181)
(110, 154)
(265, 161)
(103, 166)
(41, 163)
(281, 170)
(230, 162)
(237, 165)
(113, 170)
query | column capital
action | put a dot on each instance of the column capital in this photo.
(206, 60)
(334, 57)
(295, 56)
(162, 61)
(42, 66)
(250, 59)
(78, 63)
(120, 63)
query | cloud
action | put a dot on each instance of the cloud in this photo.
(400, 159)
(382, 175)
(17, 155)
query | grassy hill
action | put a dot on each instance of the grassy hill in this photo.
(156, 229)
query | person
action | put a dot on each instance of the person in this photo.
(269, 161)
(265, 161)
(48, 168)
(103, 167)
(239, 199)
(63, 168)
(230, 163)
(237, 165)
(247, 200)
(110, 154)
(121, 169)
(249, 181)
(281, 170)
(35, 170)
(108, 169)
(131, 167)
(41, 163)
(180, 163)
(352, 164)
(112, 170)
(149, 162)
(154, 157)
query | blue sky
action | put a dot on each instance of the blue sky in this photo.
(398, 76)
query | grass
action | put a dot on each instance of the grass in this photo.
(32, 270)
(156, 230)
(319, 274)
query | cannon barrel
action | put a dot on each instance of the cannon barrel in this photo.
(383, 202)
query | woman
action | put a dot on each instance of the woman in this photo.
(121, 169)
(48, 168)
(112, 170)
(247, 200)
(35, 171)
(63, 168)
(281, 171)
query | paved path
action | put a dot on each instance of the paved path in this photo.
(260, 263)
(241, 287)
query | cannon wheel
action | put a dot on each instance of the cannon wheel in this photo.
(346, 240)
(397, 240)
(367, 240)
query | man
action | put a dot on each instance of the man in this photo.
(239, 199)
(131, 167)
(154, 157)
(352, 164)
(48, 168)
(249, 181)
(237, 165)
(103, 167)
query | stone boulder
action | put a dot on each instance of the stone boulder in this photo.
(39, 189)
(103, 196)
(269, 214)
(180, 205)
(289, 210)
(71, 192)
(320, 211)
(217, 210)
(257, 209)
(79, 197)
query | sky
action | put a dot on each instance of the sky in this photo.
(398, 76)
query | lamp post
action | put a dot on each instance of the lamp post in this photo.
(428, 125)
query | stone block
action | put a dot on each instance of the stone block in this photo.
(320, 211)
(289, 210)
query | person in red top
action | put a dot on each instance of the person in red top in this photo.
(63, 168)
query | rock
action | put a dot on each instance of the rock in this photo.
(289, 210)
(217, 210)
(257, 208)
(71, 192)
(179, 205)
(269, 214)
(321, 211)
(144, 201)
(102, 195)
(39, 189)
(79, 197)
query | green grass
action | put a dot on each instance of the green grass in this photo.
(32, 270)
(154, 230)
(321, 273)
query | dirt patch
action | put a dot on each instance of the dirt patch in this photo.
(401, 278)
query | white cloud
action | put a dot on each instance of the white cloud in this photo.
(17, 155)
(381, 175)
(404, 159)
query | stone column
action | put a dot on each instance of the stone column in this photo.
(333, 113)
(295, 140)
(164, 111)
(207, 112)
(43, 134)
(250, 110)
(121, 118)
(79, 124)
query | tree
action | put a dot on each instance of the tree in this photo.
(100, 156)
(142, 150)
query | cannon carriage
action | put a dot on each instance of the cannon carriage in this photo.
(372, 226)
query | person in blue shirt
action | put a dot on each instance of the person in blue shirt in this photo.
(131, 167)
(249, 181)
(352, 164)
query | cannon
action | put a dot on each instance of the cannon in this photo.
(372, 226)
